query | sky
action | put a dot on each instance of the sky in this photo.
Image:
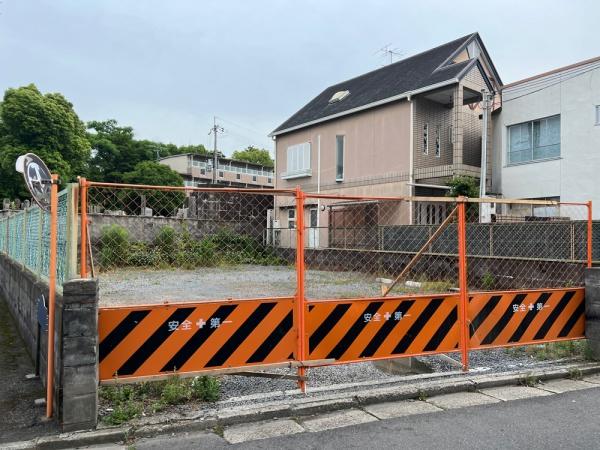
(167, 68)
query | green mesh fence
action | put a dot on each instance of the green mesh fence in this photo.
(25, 237)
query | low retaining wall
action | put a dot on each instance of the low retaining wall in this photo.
(75, 339)
(487, 273)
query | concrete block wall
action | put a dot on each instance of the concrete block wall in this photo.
(75, 337)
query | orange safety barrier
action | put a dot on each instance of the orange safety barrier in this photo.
(525, 317)
(386, 327)
(190, 337)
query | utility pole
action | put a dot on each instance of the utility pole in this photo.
(486, 104)
(216, 129)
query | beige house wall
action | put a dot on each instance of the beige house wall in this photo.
(376, 142)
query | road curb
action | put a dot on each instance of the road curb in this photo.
(304, 407)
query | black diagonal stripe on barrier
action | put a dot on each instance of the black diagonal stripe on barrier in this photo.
(272, 340)
(484, 313)
(556, 312)
(353, 332)
(121, 331)
(197, 339)
(385, 330)
(153, 342)
(501, 324)
(418, 325)
(522, 328)
(442, 331)
(240, 335)
(332, 319)
(572, 320)
(311, 307)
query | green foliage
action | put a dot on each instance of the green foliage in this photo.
(114, 246)
(127, 402)
(165, 243)
(162, 203)
(45, 124)
(488, 281)
(464, 186)
(123, 412)
(254, 155)
(175, 391)
(555, 350)
(172, 249)
(205, 388)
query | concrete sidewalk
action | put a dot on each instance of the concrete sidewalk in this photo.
(19, 418)
(556, 414)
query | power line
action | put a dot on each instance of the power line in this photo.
(550, 78)
(552, 84)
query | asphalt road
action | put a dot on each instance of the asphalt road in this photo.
(562, 421)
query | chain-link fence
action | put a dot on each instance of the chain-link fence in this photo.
(526, 244)
(198, 243)
(25, 237)
(234, 243)
(365, 247)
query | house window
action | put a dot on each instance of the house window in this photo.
(202, 171)
(597, 114)
(535, 140)
(221, 173)
(339, 158)
(426, 139)
(291, 218)
(253, 177)
(238, 176)
(298, 161)
(437, 142)
(269, 180)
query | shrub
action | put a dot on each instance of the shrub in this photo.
(175, 391)
(165, 243)
(141, 255)
(206, 388)
(123, 412)
(114, 246)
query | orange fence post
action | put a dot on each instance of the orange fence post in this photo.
(84, 222)
(462, 282)
(51, 294)
(300, 298)
(589, 234)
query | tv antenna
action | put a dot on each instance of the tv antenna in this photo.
(387, 51)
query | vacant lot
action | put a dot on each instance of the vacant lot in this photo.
(135, 286)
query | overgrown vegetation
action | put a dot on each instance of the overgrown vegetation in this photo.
(127, 402)
(180, 249)
(555, 350)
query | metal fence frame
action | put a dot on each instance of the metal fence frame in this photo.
(301, 304)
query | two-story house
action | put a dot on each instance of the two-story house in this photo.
(547, 136)
(404, 130)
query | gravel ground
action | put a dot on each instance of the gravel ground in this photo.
(135, 286)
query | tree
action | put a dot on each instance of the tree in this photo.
(163, 203)
(45, 124)
(115, 151)
(254, 155)
(151, 172)
(464, 186)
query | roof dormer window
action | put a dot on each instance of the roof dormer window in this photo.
(339, 96)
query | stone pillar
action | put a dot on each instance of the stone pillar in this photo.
(78, 350)
(592, 310)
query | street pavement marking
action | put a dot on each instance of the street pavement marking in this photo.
(391, 410)
(337, 419)
(508, 393)
(260, 430)
(461, 400)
